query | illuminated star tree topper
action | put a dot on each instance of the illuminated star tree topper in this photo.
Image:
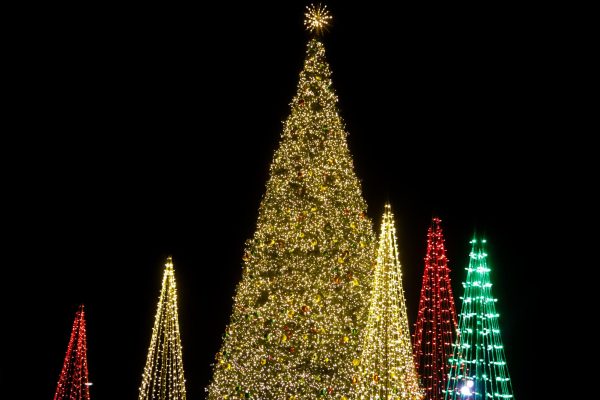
(317, 19)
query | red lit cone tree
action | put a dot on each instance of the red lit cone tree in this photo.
(73, 382)
(436, 321)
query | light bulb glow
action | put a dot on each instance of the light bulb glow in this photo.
(466, 389)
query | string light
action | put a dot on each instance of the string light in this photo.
(163, 376)
(73, 383)
(436, 319)
(386, 368)
(478, 363)
(300, 307)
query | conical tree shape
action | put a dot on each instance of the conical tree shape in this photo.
(387, 369)
(73, 382)
(163, 377)
(436, 320)
(300, 305)
(478, 366)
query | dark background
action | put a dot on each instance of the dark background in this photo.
(143, 131)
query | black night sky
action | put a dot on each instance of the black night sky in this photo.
(148, 131)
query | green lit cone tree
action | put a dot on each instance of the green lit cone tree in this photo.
(478, 369)
(301, 303)
(386, 366)
(163, 377)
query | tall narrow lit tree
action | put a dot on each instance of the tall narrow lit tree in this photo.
(300, 306)
(73, 383)
(436, 320)
(163, 377)
(387, 369)
(478, 365)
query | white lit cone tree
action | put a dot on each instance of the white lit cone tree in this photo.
(163, 377)
(301, 303)
(387, 369)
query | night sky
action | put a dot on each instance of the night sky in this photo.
(149, 131)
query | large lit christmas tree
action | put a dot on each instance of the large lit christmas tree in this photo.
(478, 365)
(436, 320)
(300, 306)
(387, 370)
(163, 377)
(73, 383)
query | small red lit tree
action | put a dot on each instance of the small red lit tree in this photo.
(73, 381)
(436, 321)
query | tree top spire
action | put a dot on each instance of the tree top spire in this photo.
(316, 19)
